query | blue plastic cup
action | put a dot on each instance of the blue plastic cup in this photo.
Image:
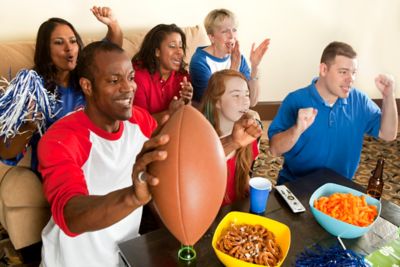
(259, 192)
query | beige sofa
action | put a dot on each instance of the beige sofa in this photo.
(23, 209)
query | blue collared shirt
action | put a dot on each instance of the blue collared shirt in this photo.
(335, 138)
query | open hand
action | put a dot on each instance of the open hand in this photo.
(235, 56)
(257, 54)
(186, 92)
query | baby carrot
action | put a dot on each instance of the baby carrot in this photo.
(348, 208)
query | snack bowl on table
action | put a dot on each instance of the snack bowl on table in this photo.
(280, 231)
(335, 226)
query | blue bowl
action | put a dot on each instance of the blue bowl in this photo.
(334, 226)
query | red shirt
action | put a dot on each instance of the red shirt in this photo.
(153, 93)
(78, 158)
(66, 151)
(230, 181)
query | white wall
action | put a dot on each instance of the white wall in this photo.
(299, 30)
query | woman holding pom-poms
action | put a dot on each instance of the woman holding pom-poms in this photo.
(37, 98)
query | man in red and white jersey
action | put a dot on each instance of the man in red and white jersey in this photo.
(92, 163)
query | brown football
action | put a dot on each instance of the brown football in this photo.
(192, 178)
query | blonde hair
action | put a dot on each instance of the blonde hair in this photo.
(215, 18)
(244, 156)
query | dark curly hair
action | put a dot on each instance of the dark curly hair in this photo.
(146, 56)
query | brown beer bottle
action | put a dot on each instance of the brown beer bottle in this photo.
(375, 183)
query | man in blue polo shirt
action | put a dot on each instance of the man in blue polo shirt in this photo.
(323, 124)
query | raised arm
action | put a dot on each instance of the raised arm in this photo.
(256, 56)
(389, 120)
(284, 141)
(105, 16)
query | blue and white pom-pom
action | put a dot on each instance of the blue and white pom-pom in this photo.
(25, 99)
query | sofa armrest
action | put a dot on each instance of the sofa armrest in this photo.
(3, 170)
(22, 188)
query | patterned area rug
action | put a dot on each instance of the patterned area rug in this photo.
(8, 255)
(269, 166)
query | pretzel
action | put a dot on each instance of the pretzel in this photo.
(250, 243)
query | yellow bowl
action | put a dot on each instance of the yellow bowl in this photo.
(280, 230)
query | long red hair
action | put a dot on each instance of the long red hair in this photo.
(244, 156)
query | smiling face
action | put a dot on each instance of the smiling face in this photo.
(235, 101)
(336, 78)
(170, 54)
(224, 36)
(63, 48)
(111, 94)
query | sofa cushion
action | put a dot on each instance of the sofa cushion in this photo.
(15, 56)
